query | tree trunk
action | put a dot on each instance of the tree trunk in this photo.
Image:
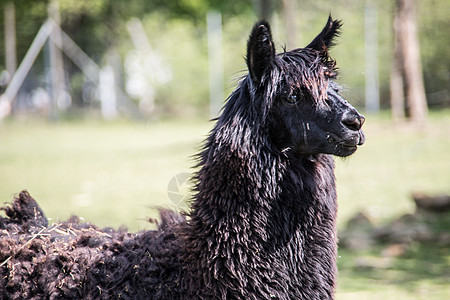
(56, 60)
(407, 65)
(265, 9)
(289, 22)
(396, 84)
(10, 39)
(10, 43)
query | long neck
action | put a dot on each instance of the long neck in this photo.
(262, 224)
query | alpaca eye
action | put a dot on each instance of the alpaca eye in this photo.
(291, 99)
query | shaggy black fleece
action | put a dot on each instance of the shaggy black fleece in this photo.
(262, 220)
(72, 260)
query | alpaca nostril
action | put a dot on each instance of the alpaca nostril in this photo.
(354, 122)
(361, 120)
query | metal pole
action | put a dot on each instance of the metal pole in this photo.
(371, 52)
(214, 20)
(56, 60)
(10, 39)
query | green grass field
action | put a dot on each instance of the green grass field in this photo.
(114, 174)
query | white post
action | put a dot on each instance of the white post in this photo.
(56, 60)
(214, 20)
(107, 87)
(142, 45)
(371, 59)
(10, 39)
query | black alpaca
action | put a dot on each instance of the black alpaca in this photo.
(262, 221)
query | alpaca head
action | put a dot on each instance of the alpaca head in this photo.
(295, 93)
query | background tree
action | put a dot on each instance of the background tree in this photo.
(290, 24)
(407, 87)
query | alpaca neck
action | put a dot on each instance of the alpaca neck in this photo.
(258, 210)
(252, 186)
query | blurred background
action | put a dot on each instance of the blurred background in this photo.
(103, 104)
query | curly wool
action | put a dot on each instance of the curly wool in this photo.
(72, 260)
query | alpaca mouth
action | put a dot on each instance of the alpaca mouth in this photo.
(348, 147)
(362, 138)
(355, 141)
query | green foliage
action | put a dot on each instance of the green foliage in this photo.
(184, 47)
(435, 42)
(81, 7)
(177, 30)
(29, 18)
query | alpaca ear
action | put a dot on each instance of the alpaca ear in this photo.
(326, 39)
(260, 51)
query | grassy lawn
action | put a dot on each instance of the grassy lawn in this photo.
(395, 161)
(112, 174)
(422, 273)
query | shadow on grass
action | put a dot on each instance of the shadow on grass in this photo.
(422, 271)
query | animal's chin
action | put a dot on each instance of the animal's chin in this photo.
(341, 150)
(344, 150)
(347, 146)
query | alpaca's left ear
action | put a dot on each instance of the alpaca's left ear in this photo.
(326, 39)
(260, 51)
